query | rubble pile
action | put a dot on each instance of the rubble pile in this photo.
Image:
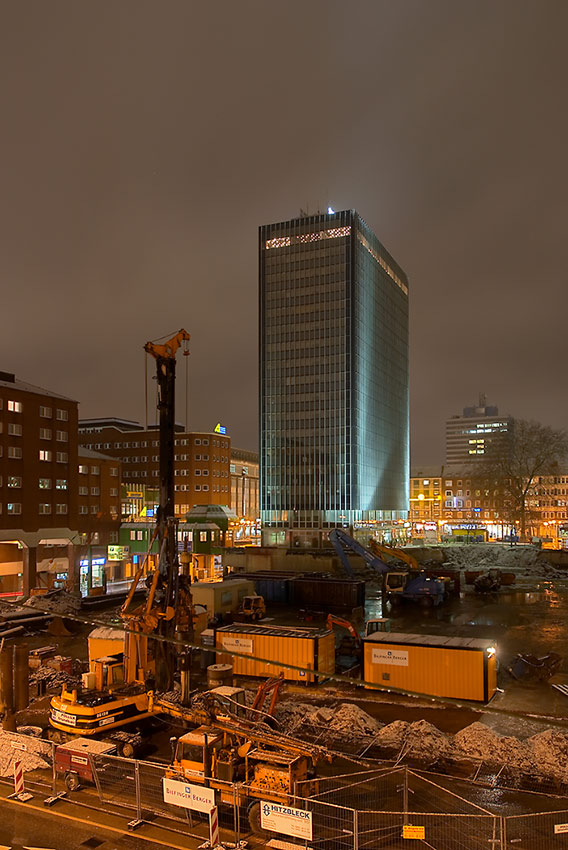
(55, 602)
(425, 741)
(36, 756)
(478, 741)
(54, 679)
(347, 721)
(392, 736)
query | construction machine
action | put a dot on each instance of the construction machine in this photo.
(398, 585)
(351, 647)
(157, 630)
(451, 578)
(257, 711)
(252, 607)
(244, 763)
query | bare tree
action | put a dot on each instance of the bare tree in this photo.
(513, 467)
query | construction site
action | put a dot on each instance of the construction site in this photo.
(361, 696)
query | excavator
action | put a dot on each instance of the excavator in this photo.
(451, 578)
(398, 585)
(155, 631)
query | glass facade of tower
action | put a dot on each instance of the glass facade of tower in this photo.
(333, 377)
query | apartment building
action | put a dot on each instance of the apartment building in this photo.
(38, 477)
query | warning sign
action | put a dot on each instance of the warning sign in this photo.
(409, 831)
(560, 828)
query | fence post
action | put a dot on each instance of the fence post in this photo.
(405, 794)
(53, 769)
(503, 832)
(236, 817)
(355, 829)
(134, 824)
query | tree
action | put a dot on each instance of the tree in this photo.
(513, 467)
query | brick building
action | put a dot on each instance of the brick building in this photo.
(202, 459)
(38, 479)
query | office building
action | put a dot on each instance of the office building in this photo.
(333, 379)
(202, 459)
(469, 436)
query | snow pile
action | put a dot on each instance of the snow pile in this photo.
(36, 756)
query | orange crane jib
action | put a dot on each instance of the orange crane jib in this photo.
(167, 350)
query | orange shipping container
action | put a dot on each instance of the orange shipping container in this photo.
(437, 665)
(273, 647)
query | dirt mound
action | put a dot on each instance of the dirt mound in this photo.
(549, 750)
(424, 740)
(346, 721)
(393, 735)
(477, 741)
(55, 602)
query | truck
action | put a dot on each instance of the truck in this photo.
(252, 607)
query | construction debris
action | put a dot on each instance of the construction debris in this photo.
(37, 754)
(55, 602)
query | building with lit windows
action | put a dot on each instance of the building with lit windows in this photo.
(334, 444)
(38, 481)
(201, 460)
(469, 436)
(245, 528)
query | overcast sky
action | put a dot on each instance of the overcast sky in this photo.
(143, 143)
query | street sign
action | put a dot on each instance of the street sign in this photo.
(188, 796)
(287, 821)
(117, 553)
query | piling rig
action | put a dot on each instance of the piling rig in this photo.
(121, 688)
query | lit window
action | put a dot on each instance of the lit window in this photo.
(14, 508)
(14, 481)
(15, 407)
(133, 535)
(61, 484)
(84, 470)
(45, 483)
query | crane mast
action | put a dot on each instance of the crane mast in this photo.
(172, 588)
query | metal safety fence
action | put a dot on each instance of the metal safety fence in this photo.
(388, 807)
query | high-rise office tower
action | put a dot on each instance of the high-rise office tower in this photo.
(468, 437)
(333, 379)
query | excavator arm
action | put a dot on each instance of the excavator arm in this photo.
(380, 550)
(332, 621)
(341, 541)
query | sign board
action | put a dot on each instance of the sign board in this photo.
(117, 553)
(287, 821)
(235, 644)
(560, 828)
(63, 717)
(409, 831)
(220, 429)
(395, 657)
(188, 796)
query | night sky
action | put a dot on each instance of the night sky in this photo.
(144, 142)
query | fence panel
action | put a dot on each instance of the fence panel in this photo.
(539, 831)
(35, 755)
(115, 780)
